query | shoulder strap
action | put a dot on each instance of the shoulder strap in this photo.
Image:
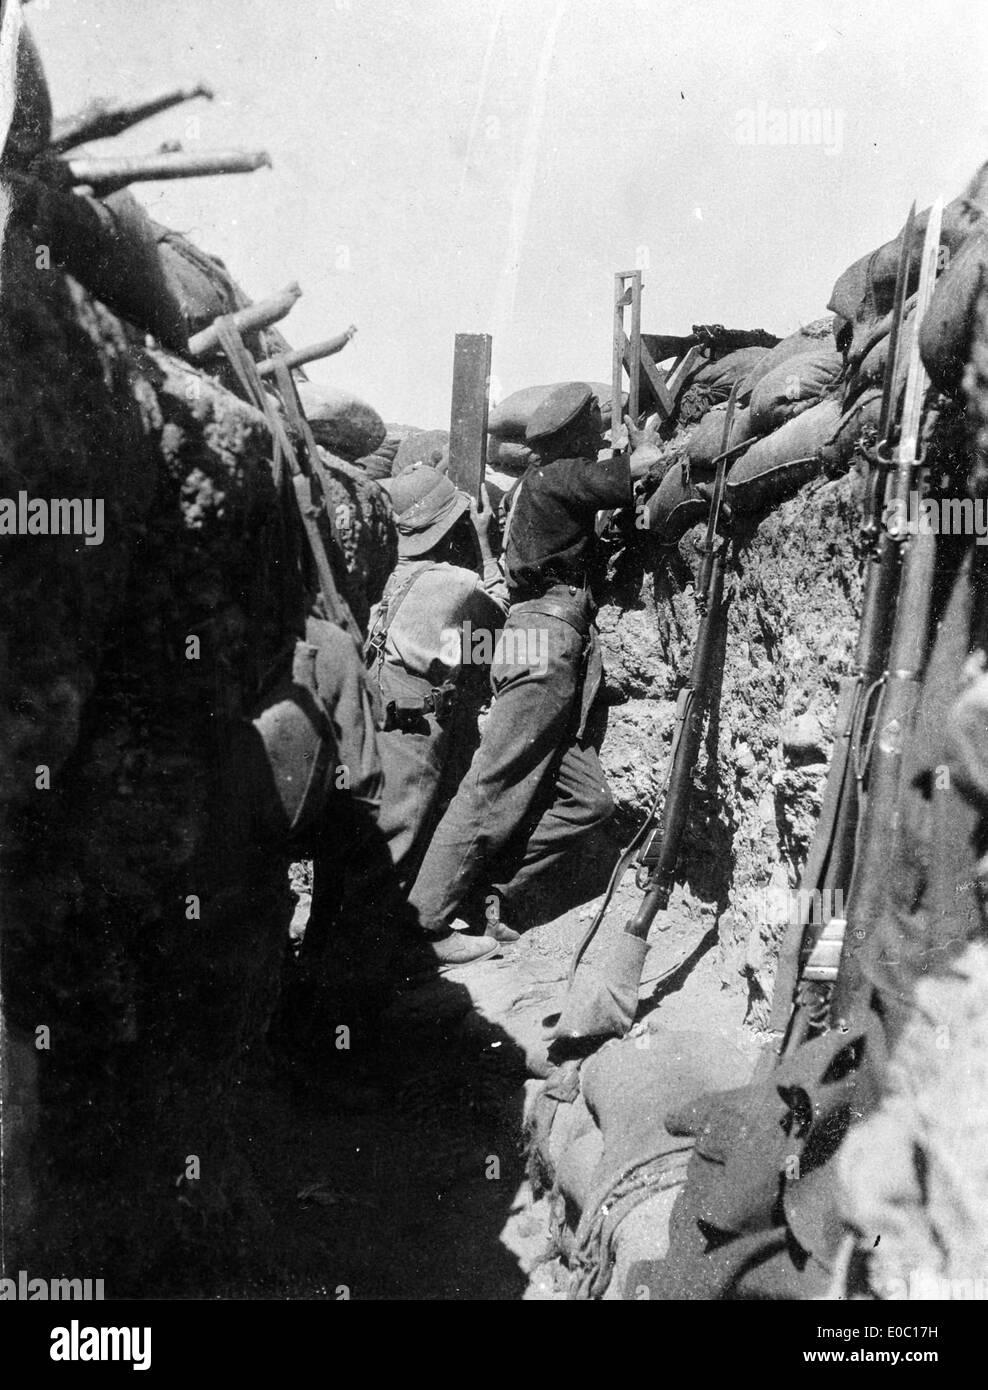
(311, 490)
(388, 611)
(306, 480)
(514, 494)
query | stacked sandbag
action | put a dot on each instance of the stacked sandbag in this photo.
(777, 465)
(869, 371)
(945, 337)
(110, 246)
(781, 385)
(509, 419)
(421, 446)
(791, 400)
(792, 387)
(863, 294)
(380, 463)
(200, 283)
(508, 456)
(712, 382)
(341, 422)
(811, 337)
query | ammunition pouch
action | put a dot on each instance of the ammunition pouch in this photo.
(412, 699)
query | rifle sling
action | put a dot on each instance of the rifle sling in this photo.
(307, 487)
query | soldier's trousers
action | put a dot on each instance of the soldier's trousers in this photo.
(530, 779)
(412, 760)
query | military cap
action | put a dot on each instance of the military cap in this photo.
(426, 505)
(560, 408)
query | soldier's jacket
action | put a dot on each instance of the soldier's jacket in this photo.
(425, 603)
(551, 528)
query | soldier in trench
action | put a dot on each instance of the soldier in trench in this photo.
(535, 786)
(422, 651)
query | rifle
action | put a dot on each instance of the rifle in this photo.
(907, 656)
(300, 356)
(714, 337)
(100, 118)
(831, 855)
(659, 840)
(106, 175)
(256, 316)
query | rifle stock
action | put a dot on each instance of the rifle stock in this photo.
(878, 827)
(690, 710)
(831, 856)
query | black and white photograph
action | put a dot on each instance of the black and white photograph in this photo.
(494, 664)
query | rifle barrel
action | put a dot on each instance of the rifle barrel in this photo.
(260, 315)
(106, 175)
(100, 119)
(314, 353)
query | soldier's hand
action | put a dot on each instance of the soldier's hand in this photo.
(646, 448)
(481, 513)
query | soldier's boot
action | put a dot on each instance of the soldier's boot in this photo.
(459, 948)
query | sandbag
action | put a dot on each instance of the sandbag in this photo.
(509, 420)
(857, 427)
(199, 282)
(422, 446)
(380, 463)
(864, 292)
(676, 505)
(31, 123)
(725, 371)
(741, 430)
(809, 338)
(777, 466)
(508, 455)
(708, 439)
(870, 371)
(712, 382)
(945, 335)
(110, 246)
(341, 422)
(792, 386)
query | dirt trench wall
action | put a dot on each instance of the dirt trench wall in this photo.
(140, 954)
(793, 595)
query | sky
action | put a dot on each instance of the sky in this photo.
(444, 166)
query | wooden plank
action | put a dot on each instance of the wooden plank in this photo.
(634, 376)
(681, 370)
(666, 402)
(617, 380)
(468, 413)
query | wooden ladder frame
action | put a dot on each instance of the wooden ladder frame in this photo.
(630, 355)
